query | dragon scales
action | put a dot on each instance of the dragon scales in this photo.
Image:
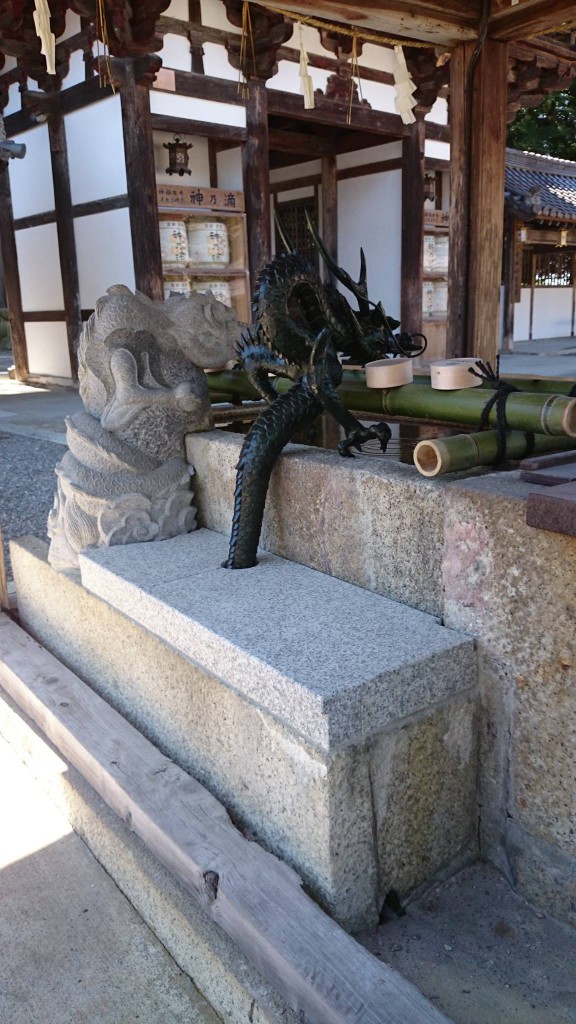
(302, 328)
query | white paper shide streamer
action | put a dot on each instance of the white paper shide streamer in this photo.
(42, 23)
(307, 85)
(405, 87)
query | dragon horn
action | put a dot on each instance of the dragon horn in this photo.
(358, 289)
(286, 241)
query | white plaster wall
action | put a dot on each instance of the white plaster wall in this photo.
(213, 14)
(96, 151)
(47, 345)
(178, 9)
(287, 77)
(216, 62)
(229, 163)
(72, 25)
(176, 53)
(31, 178)
(295, 172)
(77, 72)
(439, 112)
(104, 251)
(295, 193)
(198, 157)
(195, 109)
(522, 316)
(552, 315)
(14, 103)
(373, 154)
(369, 215)
(39, 263)
(440, 150)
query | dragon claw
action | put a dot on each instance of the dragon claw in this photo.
(359, 435)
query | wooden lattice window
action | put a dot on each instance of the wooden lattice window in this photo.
(552, 269)
(292, 216)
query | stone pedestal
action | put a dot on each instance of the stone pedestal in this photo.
(336, 725)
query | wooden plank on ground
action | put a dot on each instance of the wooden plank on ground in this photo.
(4, 596)
(319, 970)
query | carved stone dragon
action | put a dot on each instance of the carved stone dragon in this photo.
(302, 327)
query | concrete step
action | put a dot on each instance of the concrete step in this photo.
(73, 948)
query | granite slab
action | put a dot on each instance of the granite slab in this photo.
(334, 662)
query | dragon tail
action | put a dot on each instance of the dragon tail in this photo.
(267, 436)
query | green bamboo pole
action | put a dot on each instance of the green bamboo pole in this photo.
(437, 456)
(545, 413)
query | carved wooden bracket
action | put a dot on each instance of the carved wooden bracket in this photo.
(131, 27)
(269, 32)
(427, 74)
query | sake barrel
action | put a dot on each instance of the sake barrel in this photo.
(429, 254)
(176, 286)
(442, 253)
(220, 290)
(208, 243)
(428, 298)
(440, 301)
(173, 241)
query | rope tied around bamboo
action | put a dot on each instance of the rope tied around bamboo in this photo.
(502, 389)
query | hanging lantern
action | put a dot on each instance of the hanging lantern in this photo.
(178, 156)
(430, 187)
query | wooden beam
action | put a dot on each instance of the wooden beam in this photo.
(530, 18)
(444, 24)
(35, 220)
(331, 112)
(12, 275)
(66, 239)
(316, 967)
(412, 227)
(206, 129)
(304, 144)
(256, 176)
(330, 207)
(141, 178)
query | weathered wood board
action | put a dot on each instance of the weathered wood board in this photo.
(319, 970)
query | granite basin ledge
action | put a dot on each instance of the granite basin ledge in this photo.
(332, 661)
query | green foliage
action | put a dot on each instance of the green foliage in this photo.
(5, 339)
(549, 129)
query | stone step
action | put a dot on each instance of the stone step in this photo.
(333, 661)
(339, 727)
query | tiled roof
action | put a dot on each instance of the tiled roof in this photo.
(540, 186)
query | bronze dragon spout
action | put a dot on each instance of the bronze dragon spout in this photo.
(302, 330)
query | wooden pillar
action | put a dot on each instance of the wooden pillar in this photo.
(12, 276)
(141, 178)
(255, 166)
(196, 51)
(329, 183)
(65, 230)
(477, 161)
(509, 269)
(412, 226)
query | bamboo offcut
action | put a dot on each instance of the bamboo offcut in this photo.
(437, 456)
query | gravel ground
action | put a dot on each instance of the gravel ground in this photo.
(27, 485)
